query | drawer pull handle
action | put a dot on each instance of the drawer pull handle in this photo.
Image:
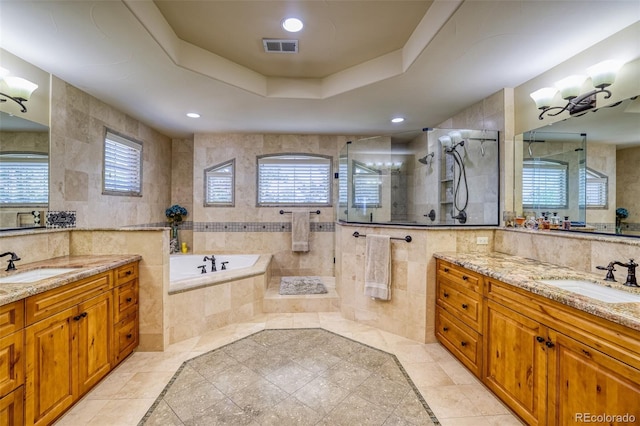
(463, 343)
(445, 294)
(446, 269)
(129, 336)
(445, 328)
(586, 353)
(128, 273)
(464, 277)
(79, 317)
(128, 299)
(540, 339)
(465, 306)
(550, 344)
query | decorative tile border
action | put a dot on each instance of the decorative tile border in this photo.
(61, 219)
(256, 226)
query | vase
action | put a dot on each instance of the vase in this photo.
(174, 244)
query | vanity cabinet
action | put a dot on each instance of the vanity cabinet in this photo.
(73, 339)
(556, 365)
(11, 363)
(550, 363)
(459, 313)
(68, 345)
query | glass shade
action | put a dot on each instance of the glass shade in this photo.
(19, 88)
(604, 73)
(571, 86)
(544, 97)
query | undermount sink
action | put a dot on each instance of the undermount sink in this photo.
(595, 291)
(35, 275)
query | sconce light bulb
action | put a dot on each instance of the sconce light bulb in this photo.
(604, 73)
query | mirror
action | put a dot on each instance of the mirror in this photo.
(611, 173)
(24, 172)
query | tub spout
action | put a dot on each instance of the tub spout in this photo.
(213, 262)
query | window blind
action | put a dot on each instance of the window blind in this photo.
(595, 193)
(294, 180)
(219, 185)
(122, 165)
(366, 186)
(342, 184)
(25, 179)
(544, 184)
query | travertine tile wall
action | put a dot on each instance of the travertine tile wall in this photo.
(182, 182)
(627, 183)
(78, 122)
(411, 310)
(34, 246)
(211, 149)
(602, 158)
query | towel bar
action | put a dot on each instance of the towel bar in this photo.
(313, 212)
(407, 238)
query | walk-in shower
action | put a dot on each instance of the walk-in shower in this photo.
(428, 177)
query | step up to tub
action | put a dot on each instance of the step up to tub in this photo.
(274, 302)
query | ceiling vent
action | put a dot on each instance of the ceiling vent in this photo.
(280, 46)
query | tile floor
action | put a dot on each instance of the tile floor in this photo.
(455, 395)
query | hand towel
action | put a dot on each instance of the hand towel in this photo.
(377, 267)
(300, 231)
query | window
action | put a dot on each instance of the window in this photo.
(544, 184)
(219, 185)
(294, 179)
(25, 179)
(596, 189)
(366, 186)
(122, 165)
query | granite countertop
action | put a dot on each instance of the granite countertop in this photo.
(85, 266)
(524, 273)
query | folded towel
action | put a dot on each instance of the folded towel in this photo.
(377, 267)
(300, 231)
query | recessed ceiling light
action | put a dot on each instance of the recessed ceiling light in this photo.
(397, 120)
(293, 25)
(193, 115)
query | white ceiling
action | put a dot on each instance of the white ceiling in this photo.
(373, 59)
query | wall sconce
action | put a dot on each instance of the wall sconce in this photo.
(602, 75)
(15, 88)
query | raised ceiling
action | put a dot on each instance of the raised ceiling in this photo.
(141, 57)
(337, 34)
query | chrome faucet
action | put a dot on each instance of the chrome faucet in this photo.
(631, 272)
(213, 262)
(14, 257)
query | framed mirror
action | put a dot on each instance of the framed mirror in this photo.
(608, 181)
(24, 172)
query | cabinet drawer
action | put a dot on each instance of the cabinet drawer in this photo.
(11, 362)
(53, 301)
(460, 275)
(465, 305)
(126, 299)
(11, 408)
(126, 337)
(126, 273)
(463, 342)
(11, 318)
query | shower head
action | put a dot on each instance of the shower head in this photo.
(426, 159)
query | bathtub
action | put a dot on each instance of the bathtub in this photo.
(184, 273)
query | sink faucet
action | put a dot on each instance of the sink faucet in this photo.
(631, 272)
(213, 262)
(14, 257)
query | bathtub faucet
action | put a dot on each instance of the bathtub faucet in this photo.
(213, 262)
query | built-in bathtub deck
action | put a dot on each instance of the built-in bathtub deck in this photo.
(274, 302)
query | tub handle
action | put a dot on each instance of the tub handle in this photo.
(224, 265)
(203, 269)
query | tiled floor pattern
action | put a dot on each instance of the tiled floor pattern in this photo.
(291, 377)
(455, 395)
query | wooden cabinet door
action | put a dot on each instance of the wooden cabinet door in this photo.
(515, 361)
(94, 322)
(49, 353)
(11, 412)
(585, 383)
